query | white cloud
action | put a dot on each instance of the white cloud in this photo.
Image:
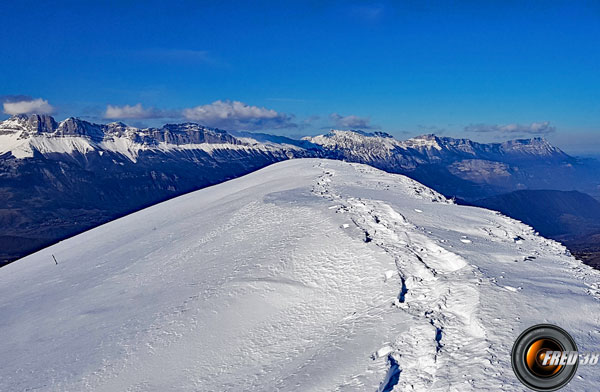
(30, 106)
(221, 114)
(238, 115)
(136, 111)
(535, 128)
(350, 122)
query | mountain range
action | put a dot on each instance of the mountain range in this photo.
(463, 168)
(60, 178)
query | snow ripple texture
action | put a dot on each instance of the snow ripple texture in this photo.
(308, 275)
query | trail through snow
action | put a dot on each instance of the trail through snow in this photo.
(308, 275)
(441, 291)
(440, 295)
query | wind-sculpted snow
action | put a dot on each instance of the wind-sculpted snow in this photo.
(78, 175)
(308, 275)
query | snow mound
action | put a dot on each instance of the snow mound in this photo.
(308, 275)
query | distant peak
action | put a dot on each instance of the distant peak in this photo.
(427, 136)
(426, 141)
(540, 140)
(536, 146)
(117, 124)
(45, 118)
(41, 122)
(334, 132)
(74, 120)
(19, 117)
(382, 134)
(431, 137)
(535, 141)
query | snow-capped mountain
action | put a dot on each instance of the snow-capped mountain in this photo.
(461, 167)
(24, 136)
(60, 178)
(307, 275)
(427, 149)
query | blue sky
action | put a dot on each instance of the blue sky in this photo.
(488, 72)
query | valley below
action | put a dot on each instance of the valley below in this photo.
(58, 179)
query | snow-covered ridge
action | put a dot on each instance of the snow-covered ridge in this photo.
(23, 136)
(378, 144)
(308, 275)
(431, 145)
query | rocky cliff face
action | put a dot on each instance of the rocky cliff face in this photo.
(37, 128)
(60, 178)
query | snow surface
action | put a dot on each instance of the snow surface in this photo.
(341, 139)
(308, 275)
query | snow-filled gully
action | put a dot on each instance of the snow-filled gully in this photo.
(438, 288)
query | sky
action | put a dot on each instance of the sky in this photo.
(489, 72)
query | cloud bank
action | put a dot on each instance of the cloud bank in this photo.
(238, 115)
(535, 128)
(219, 114)
(137, 111)
(350, 122)
(14, 105)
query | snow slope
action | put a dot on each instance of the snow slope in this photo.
(308, 275)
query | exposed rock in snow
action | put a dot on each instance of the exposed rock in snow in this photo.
(24, 135)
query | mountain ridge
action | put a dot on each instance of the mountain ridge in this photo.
(46, 125)
(308, 275)
(60, 178)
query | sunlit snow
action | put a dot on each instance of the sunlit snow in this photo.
(308, 275)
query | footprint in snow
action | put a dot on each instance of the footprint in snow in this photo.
(383, 352)
(388, 275)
